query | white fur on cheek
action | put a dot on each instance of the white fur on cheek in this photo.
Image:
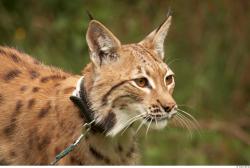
(123, 118)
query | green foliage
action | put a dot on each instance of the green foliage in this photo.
(207, 47)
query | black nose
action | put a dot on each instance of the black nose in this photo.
(168, 108)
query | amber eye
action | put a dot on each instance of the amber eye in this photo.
(142, 82)
(169, 79)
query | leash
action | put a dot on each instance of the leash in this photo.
(71, 147)
(79, 98)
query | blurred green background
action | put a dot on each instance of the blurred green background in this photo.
(207, 47)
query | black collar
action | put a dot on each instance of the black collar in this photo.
(80, 99)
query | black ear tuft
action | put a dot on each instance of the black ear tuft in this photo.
(170, 12)
(155, 40)
(90, 15)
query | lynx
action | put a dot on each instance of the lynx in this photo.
(122, 84)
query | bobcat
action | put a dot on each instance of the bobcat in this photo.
(123, 84)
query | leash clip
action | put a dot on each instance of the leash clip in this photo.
(88, 125)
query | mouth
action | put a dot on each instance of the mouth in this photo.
(155, 118)
(159, 117)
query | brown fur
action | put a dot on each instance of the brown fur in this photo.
(35, 122)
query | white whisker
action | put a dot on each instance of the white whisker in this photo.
(139, 127)
(184, 105)
(188, 121)
(172, 61)
(149, 126)
(128, 125)
(179, 122)
(156, 121)
(132, 120)
(193, 125)
(184, 122)
(139, 115)
(192, 117)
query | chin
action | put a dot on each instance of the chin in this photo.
(157, 125)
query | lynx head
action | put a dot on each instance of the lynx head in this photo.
(129, 82)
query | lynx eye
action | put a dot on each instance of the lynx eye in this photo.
(169, 79)
(142, 82)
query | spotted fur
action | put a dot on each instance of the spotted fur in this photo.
(38, 120)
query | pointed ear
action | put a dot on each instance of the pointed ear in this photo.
(155, 40)
(102, 43)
